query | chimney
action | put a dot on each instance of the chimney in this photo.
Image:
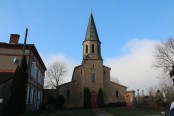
(14, 38)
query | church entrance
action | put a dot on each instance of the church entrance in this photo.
(93, 99)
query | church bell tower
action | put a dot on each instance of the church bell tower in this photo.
(91, 44)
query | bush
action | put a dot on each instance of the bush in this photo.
(53, 104)
(100, 99)
(61, 101)
(86, 97)
(16, 104)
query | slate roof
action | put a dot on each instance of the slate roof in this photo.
(20, 46)
(91, 33)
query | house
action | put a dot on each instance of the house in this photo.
(91, 74)
(130, 98)
(10, 58)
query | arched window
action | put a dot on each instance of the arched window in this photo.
(86, 48)
(92, 48)
(68, 93)
(98, 49)
(116, 93)
(93, 77)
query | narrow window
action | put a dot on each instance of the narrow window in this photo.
(86, 48)
(28, 95)
(93, 77)
(38, 71)
(33, 101)
(68, 93)
(35, 98)
(41, 96)
(92, 48)
(42, 81)
(33, 70)
(116, 93)
(40, 78)
(98, 49)
(31, 96)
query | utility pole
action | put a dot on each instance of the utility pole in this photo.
(25, 39)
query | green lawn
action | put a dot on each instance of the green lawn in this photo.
(74, 112)
(131, 111)
(88, 112)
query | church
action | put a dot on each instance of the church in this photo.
(92, 74)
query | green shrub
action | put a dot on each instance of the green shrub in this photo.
(100, 99)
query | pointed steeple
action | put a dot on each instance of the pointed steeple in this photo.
(91, 44)
(91, 33)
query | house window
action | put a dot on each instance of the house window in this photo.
(68, 93)
(28, 95)
(42, 78)
(35, 97)
(93, 77)
(31, 96)
(41, 96)
(86, 48)
(116, 93)
(92, 48)
(33, 101)
(33, 70)
(38, 96)
(38, 76)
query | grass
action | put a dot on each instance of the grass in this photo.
(131, 111)
(88, 112)
(74, 112)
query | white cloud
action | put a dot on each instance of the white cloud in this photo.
(134, 68)
(70, 63)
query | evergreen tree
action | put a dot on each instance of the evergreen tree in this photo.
(100, 99)
(17, 102)
(87, 101)
(159, 99)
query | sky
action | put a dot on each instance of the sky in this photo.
(128, 30)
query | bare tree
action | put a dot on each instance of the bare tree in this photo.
(166, 86)
(54, 74)
(164, 59)
(164, 55)
(115, 79)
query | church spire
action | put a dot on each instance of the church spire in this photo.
(91, 33)
(91, 44)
